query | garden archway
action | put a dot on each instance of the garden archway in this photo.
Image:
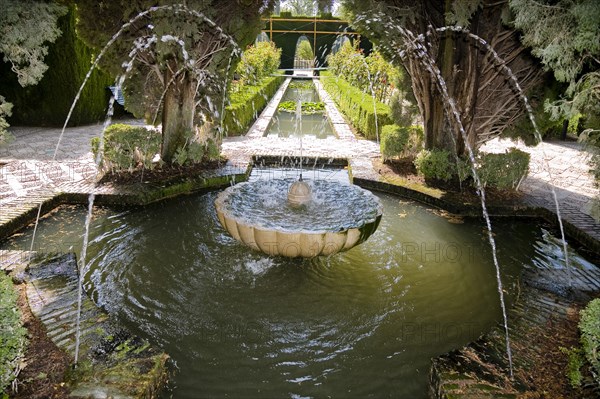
(322, 33)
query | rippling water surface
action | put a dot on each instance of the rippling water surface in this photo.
(239, 324)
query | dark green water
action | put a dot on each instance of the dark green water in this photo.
(284, 124)
(364, 323)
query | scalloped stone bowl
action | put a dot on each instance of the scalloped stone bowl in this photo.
(258, 214)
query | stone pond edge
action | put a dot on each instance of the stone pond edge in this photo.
(144, 194)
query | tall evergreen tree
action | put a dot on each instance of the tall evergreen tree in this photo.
(485, 100)
(26, 27)
(181, 55)
(565, 35)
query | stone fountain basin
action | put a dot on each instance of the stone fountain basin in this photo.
(299, 241)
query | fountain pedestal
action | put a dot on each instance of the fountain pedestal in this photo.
(299, 193)
(261, 215)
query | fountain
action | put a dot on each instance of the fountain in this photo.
(286, 330)
(267, 217)
(316, 218)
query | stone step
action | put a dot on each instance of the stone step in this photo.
(112, 362)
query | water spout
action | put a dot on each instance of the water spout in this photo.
(414, 47)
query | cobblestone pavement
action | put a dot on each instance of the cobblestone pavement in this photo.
(29, 175)
(562, 166)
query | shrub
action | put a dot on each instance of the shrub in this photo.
(505, 170)
(48, 102)
(371, 74)
(575, 362)
(304, 50)
(434, 164)
(396, 140)
(393, 141)
(5, 111)
(126, 147)
(12, 333)
(247, 103)
(258, 62)
(357, 106)
(589, 326)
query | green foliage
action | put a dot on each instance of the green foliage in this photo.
(575, 125)
(393, 141)
(396, 140)
(48, 103)
(198, 147)
(246, 103)
(12, 333)
(575, 362)
(357, 105)
(308, 108)
(182, 74)
(304, 50)
(547, 125)
(505, 170)
(127, 147)
(589, 326)
(565, 35)
(5, 111)
(298, 7)
(462, 11)
(192, 152)
(25, 28)
(371, 74)
(258, 62)
(434, 164)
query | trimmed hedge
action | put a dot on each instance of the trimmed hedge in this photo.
(357, 106)
(393, 141)
(48, 102)
(126, 147)
(398, 140)
(504, 170)
(435, 164)
(589, 326)
(12, 334)
(246, 105)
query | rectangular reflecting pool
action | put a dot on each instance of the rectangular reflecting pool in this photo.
(287, 124)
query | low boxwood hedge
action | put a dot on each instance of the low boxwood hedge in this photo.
(247, 103)
(357, 106)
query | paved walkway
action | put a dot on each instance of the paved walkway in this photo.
(562, 166)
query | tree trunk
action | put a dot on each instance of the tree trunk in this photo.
(178, 114)
(482, 94)
(457, 60)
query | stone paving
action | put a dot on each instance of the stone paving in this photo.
(562, 166)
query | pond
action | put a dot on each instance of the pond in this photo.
(362, 323)
(285, 124)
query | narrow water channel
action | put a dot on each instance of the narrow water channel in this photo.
(285, 124)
